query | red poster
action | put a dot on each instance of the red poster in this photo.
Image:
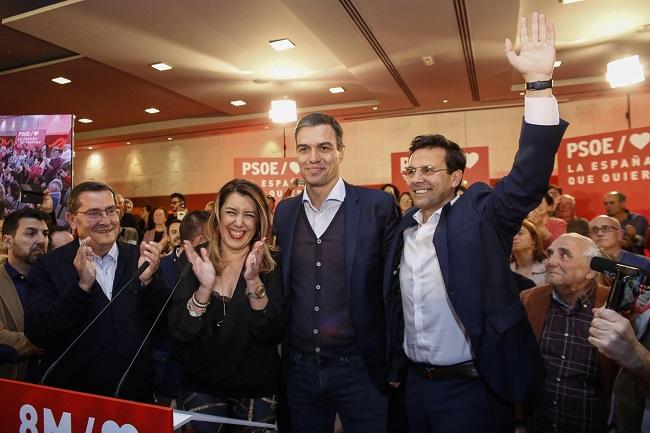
(592, 165)
(31, 139)
(33, 408)
(273, 175)
(477, 168)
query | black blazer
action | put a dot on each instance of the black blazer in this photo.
(370, 220)
(58, 309)
(473, 242)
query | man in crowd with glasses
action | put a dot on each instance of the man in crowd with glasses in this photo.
(471, 352)
(67, 289)
(608, 234)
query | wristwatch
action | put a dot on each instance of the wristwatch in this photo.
(539, 85)
(258, 293)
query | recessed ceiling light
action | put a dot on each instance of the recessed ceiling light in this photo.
(169, 138)
(566, 2)
(61, 80)
(522, 93)
(375, 108)
(337, 89)
(557, 63)
(238, 103)
(444, 101)
(281, 44)
(85, 120)
(128, 142)
(90, 148)
(266, 127)
(161, 66)
(152, 110)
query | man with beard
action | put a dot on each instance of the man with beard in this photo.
(25, 234)
(69, 287)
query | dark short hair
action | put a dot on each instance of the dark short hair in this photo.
(193, 223)
(170, 222)
(55, 229)
(91, 186)
(555, 187)
(619, 195)
(12, 221)
(454, 155)
(315, 119)
(395, 188)
(177, 195)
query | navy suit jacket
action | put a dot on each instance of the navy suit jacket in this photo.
(473, 242)
(370, 220)
(57, 309)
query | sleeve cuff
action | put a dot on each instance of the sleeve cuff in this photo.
(541, 111)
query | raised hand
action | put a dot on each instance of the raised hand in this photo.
(202, 268)
(537, 54)
(85, 265)
(150, 252)
(254, 261)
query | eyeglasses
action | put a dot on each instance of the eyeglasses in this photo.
(424, 170)
(604, 229)
(96, 214)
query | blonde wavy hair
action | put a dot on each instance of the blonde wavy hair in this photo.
(263, 224)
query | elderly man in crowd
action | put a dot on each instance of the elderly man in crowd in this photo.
(577, 384)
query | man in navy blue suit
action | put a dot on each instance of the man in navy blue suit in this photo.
(470, 350)
(334, 238)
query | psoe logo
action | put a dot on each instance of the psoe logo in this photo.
(29, 423)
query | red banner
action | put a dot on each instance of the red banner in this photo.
(592, 165)
(476, 170)
(273, 175)
(38, 409)
(30, 139)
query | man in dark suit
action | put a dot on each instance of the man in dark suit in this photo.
(70, 285)
(471, 352)
(334, 238)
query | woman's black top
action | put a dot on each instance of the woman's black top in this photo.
(235, 355)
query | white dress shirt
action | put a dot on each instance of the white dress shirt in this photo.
(105, 268)
(433, 333)
(320, 219)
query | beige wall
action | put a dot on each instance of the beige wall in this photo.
(200, 165)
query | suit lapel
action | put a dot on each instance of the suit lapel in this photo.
(440, 242)
(123, 257)
(289, 229)
(352, 214)
(9, 296)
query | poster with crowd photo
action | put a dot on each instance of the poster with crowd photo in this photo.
(592, 165)
(278, 177)
(36, 162)
(477, 167)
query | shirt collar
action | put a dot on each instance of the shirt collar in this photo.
(585, 299)
(417, 216)
(337, 193)
(112, 253)
(13, 272)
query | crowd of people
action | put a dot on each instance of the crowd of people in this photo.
(446, 308)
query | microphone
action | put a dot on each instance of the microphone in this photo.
(135, 275)
(182, 275)
(611, 267)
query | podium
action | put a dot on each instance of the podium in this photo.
(29, 408)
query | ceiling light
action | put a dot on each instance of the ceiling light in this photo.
(566, 2)
(557, 63)
(625, 71)
(90, 148)
(281, 44)
(337, 89)
(160, 66)
(128, 142)
(522, 93)
(61, 80)
(238, 103)
(375, 108)
(85, 120)
(152, 110)
(444, 101)
(283, 111)
(169, 138)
